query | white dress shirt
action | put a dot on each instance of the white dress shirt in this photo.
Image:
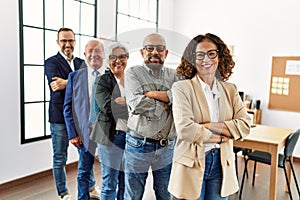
(212, 98)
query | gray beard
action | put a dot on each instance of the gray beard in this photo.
(155, 66)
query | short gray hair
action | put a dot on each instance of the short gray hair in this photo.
(114, 46)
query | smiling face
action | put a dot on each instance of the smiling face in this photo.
(206, 67)
(94, 54)
(118, 61)
(154, 51)
(66, 42)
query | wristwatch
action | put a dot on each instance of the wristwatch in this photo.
(222, 139)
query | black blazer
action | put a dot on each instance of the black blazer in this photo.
(59, 67)
(106, 90)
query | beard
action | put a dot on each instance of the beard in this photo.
(68, 51)
(154, 65)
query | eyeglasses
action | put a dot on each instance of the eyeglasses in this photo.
(211, 54)
(122, 57)
(65, 41)
(159, 48)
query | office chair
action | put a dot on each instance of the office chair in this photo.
(264, 157)
(236, 150)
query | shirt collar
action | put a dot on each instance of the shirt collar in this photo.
(65, 57)
(90, 69)
(205, 86)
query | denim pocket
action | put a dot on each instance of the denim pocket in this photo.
(134, 142)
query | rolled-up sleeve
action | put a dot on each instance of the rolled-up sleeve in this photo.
(239, 125)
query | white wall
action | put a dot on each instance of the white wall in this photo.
(17, 160)
(22, 160)
(258, 30)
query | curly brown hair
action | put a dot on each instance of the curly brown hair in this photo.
(187, 67)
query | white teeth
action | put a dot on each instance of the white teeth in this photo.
(206, 65)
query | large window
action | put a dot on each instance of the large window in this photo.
(134, 19)
(39, 22)
(136, 14)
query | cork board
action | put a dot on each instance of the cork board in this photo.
(285, 84)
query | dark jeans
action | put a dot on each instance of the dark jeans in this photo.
(85, 177)
(212, 180)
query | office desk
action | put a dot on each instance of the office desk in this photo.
(268, 139)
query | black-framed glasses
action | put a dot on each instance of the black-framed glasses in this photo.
(211, 54)
(159, 48)
(65, 41)
(122, 57)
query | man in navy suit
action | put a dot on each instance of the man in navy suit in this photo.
(77, 112)
(57, 69)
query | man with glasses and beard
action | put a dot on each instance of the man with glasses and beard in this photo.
(150, 129)
(57, 69)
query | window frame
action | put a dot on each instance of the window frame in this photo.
(135, 17)
(45, 30)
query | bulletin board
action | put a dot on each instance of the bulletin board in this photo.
(285, 84)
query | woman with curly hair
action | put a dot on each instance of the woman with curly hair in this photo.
(208, 115)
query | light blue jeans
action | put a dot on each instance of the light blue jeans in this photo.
(85, 178)
(60, 144)
(112, 167)
(139, 156)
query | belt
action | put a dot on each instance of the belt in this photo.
(162, 142)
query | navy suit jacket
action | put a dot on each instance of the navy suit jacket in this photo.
(77, 108)
(57, 66)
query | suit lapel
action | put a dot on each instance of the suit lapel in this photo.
(114, 86)
(81, 90)
(201, 99)
(81, 105)
(63, 62)
(62, 59)
(78, 63)
(222, 99)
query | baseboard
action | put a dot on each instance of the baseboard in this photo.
(296, 159)
(32, 177)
